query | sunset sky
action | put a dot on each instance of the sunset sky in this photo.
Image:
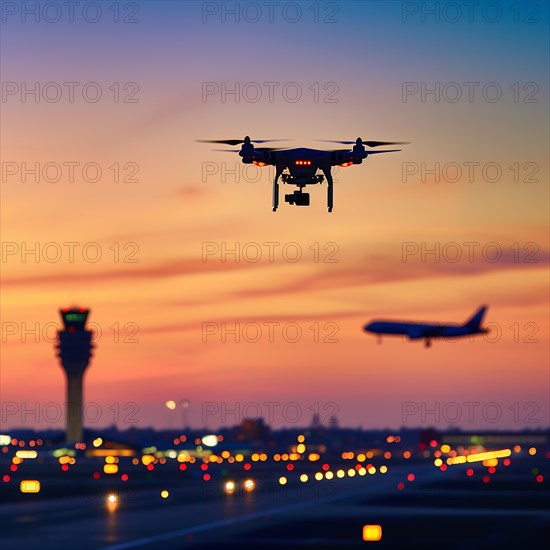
(153, 277)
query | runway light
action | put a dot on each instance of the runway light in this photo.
(318, 476)
(26, 454)
(29, 486)
(383, 469)
(229, 487)
(109, 468)
(112, 502)
(164, 493)
(329, 475)
(372, 533)
(282, 480)
(249, 485)
(5, 439)
(210, 440)
(97, 442)
(303, 478)
(533, 451)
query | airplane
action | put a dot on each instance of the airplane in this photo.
(427, 331)
(302, 164)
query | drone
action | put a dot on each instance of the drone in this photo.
(299, 166)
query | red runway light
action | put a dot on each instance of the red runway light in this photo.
(540, 478)
(124, 477)
(469, 472)
(400, 485)
(410, 477)
(290, 467)
(247, 466)
(96, 475)
(183, 467)
(486, 479)
(6, 478)
(206, 477)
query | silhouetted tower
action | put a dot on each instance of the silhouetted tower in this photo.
(74, 343)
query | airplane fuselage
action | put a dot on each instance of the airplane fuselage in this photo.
(420, 330)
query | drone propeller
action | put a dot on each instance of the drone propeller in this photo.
(262, 149)
(359, 141)
(236, 141)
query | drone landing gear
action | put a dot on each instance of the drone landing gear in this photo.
(278, 173)
(330, 197)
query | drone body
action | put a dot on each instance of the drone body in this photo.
(303, 164)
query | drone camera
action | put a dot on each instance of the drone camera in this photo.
(298, 198)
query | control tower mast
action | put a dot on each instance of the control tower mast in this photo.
(74, 345)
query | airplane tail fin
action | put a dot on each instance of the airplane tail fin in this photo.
(475, 321)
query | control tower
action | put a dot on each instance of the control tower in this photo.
(74, 345)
